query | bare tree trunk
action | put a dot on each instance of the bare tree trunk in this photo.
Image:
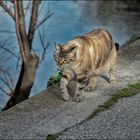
(25, 82)
(29, 62)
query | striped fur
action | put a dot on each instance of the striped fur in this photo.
(86, 57)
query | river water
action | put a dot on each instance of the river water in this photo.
(73, 18)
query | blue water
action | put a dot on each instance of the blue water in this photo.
(70, 19)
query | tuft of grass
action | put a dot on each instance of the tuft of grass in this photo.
(50, 137)
(131, 90)
(55, 78)
(134, 86)
(138, 38)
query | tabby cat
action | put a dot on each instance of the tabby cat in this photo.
(84, 59)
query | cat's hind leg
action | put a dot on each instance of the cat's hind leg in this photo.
(112, 77)
(92, 83)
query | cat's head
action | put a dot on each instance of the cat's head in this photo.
(64, 54)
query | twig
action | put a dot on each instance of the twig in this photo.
(34, 16)
(12, 1)
(7, 50)
(45, 52)
(27, 7)
(4, 6)
(43, 44)
(7, 79)
(10, 79)
(6, 31)
(7, 84)
(21, 30)
(17, 65)
(43, 20)
(5, 92)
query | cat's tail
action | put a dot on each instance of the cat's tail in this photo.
(117, 46)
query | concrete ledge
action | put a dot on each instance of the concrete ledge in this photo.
(46, 113)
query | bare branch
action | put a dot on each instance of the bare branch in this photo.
(6, 83)
(27, 7)
(10, 52)
(3, 90)
(12, 1)
(43, 20)
(41, 39)
(44, 52)
(7, 31)
(43, 44)
(33, 21)
(17, 65)
(21, 30)
(6, 9)
(7, 79)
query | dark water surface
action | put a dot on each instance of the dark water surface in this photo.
(73, 18)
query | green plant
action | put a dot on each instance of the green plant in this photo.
(55, 78)
(50, 137)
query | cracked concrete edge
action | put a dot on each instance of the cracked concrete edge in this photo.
(129, 91)
(44, 114)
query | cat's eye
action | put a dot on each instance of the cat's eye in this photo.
(56, 57)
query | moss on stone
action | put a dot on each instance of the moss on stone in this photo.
(131, 90)
(50, 137)
(134, 86)
(123, 93)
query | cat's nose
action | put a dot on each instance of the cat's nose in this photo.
(62, 63)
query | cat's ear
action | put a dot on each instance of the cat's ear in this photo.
(73, 49)
(72, 52)
(58, 47)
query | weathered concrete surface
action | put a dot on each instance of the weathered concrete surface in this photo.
(122, 121)
(46, 113)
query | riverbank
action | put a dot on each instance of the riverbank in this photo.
(46, 113)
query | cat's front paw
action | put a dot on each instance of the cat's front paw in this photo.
(78, 97)
(65, 96)
(89, 88)
(112, 81)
